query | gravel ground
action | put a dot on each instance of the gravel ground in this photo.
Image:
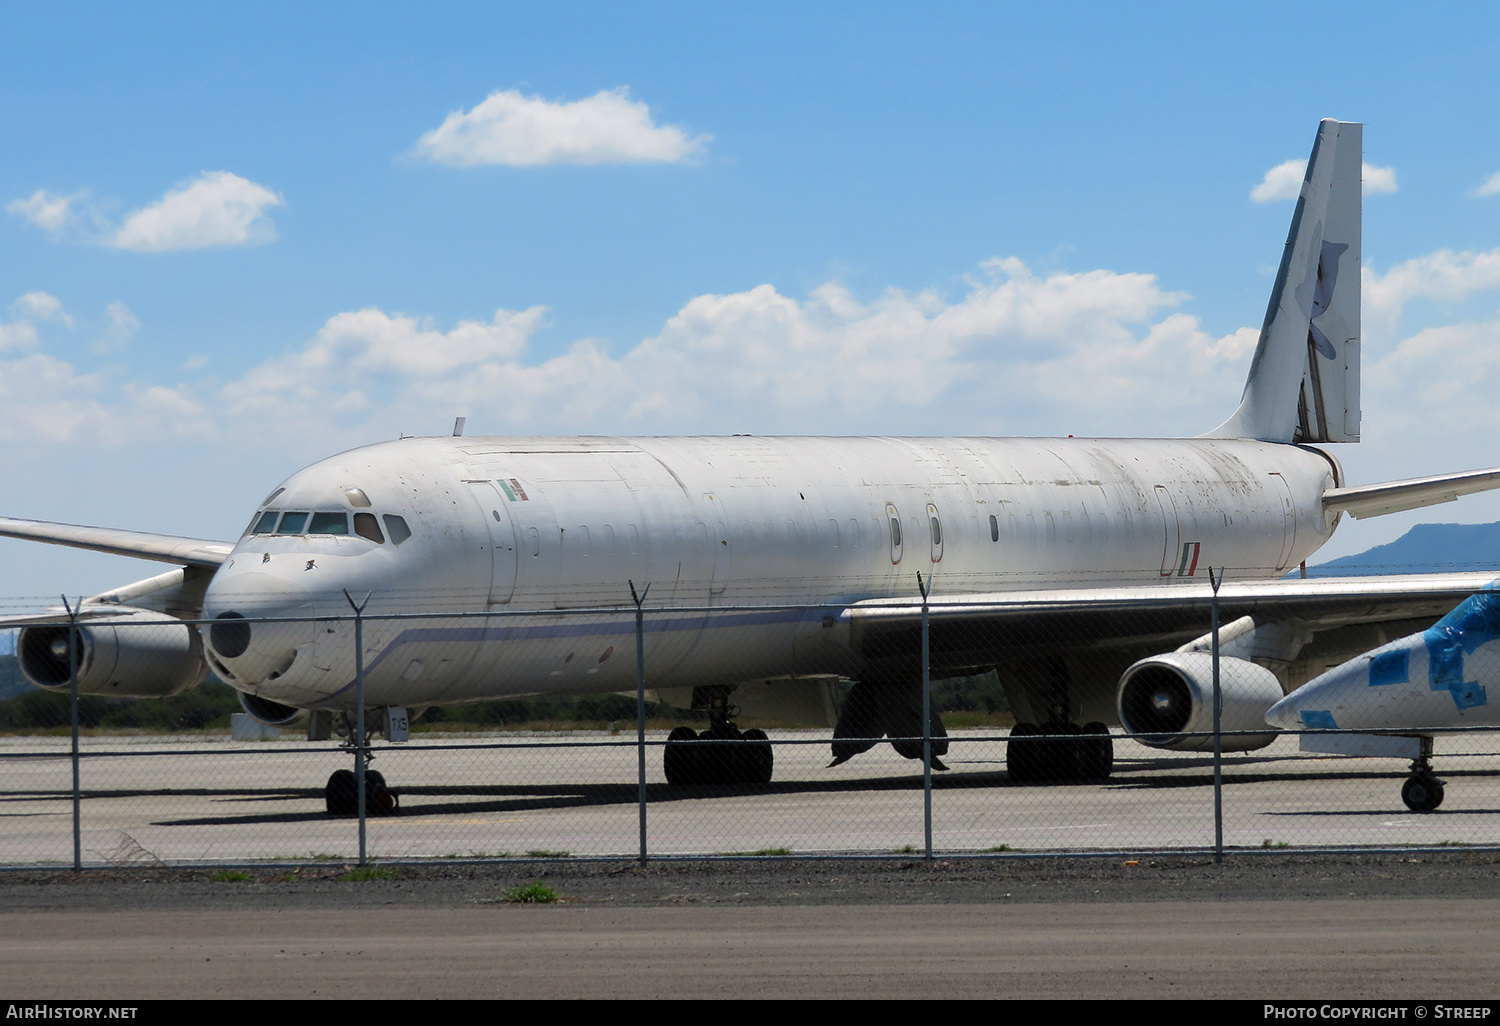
(773, 882)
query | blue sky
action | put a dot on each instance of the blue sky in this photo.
(226, 249)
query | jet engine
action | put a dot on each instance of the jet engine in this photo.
(136, 653)
(1165, 697)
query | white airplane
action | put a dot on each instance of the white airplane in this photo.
(1075, 567)
(1426, 682)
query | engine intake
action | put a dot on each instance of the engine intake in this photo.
(1165, 697)
(137, 653)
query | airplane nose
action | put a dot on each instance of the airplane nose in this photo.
(256, 651)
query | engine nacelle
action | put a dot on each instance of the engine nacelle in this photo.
(272, 714)
(138, 653)
(1164, 697)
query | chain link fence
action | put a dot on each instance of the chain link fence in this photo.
(650, 732)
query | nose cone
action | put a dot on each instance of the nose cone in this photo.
(241, 639)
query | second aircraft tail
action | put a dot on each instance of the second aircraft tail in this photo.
(1304, 378)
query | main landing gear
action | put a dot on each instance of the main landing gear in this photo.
(1059, 752)
(722, 754)
(1422, 791)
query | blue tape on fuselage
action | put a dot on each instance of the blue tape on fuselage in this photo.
(1474, 622)
(1390, 668)
(1318, 719)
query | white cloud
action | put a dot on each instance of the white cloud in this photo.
(1284, 181)
(122, 325)
(528, 131)
(1444, 276)
(46, 210)
(1490, 187)
(1377, 179)
(44, 307)
(17, 335)
(215, 209)
(1087, 352)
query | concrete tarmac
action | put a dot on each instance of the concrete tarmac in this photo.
(1309, 928)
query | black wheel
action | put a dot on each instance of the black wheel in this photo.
(758, 758)
(1058, 760)
(678, 761)
(1021, 753)
(722, 757)
(341, 795)
(380, 800)
(1096, 752)
(1422, 792)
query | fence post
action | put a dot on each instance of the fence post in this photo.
(1213, 606)
(925, 587)
(360, 741)
(640, 709)
(73, 720)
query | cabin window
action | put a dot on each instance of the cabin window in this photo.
(935, 526)
(366, 526)
(396, 527)
(994, 528)
(292, 523)
(894, 520)
(329, 523)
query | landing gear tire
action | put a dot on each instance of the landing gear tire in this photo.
(1021, 753)
(678, 761)
(1096, 752)
(1088, 754)
(1422, 792)
(341, 795)
(756, 757)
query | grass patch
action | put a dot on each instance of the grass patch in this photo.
(908, 849)
(764, 852)
(231, 876)
(542, 853)
(998, 848)
(476, 855)
(363, 873)
(1268, 843)
(530, 894)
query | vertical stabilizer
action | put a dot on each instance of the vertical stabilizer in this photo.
(1304, 379)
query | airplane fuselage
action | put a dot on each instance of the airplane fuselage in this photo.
(714, 524)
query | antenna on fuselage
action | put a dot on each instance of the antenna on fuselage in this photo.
(458, 426)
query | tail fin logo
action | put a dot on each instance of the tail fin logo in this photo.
(1328, 278)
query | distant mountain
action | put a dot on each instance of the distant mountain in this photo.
(1426, 548)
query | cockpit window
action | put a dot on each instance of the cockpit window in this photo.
(366, 526)
(396, 527)
(264, 523)
(291, 523)
(329, 523)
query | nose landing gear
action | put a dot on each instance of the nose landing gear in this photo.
(1422, 791)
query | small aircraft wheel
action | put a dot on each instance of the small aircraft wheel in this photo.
(379, 800)
(758, 757)
(1422, 792)
(1021, 753)
(1096, 752)
(677, 761)
(341, 795)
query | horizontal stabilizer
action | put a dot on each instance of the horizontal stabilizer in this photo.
(1397, 496)
(160, 547)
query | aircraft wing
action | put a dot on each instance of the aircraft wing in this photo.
(977, 630)
(1398, 496)
(160, 547)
